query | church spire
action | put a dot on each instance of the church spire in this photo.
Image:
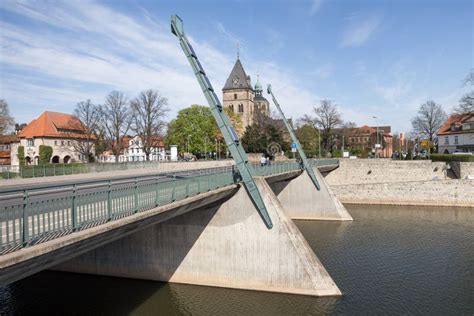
(258, 87)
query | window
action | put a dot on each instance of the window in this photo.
(231, 107)
(62, 143)
(455, 140)
(55, 143)
(30, 142)
(446, 140)
(241, 108)
(69, 143)
(235, 96)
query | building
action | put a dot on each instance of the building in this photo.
(6, 144)
(63, 132)
(362, 141)
(457, 134)
(133, 150)
(241, 98)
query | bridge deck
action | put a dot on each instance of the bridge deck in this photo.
(37, 213)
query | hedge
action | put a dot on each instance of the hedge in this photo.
(449, 157)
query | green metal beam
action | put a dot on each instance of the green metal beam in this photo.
(232, 140)
(305, 164)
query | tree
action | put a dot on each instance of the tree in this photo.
(264, 136)
(466, 103)
(327, 118)
(89, 114)
(6, 121)
(21, 155)
(45, 154)
(430, 118)
(115, 121)
(194, 130)
(148, 109)
(307, 134)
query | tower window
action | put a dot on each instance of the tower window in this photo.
(241, 108)
(231, 107)
(235, 96)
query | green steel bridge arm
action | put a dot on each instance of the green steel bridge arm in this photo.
(295, 140)
(232, 140)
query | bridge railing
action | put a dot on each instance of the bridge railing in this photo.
(32, 216)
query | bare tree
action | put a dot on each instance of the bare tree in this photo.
(149, 109)
(428, 121)
(116, 121)
(89, 115)
(6, 121)
(466, 103)
(327, 118)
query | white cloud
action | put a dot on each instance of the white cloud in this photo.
(360, 29)
(84, 50)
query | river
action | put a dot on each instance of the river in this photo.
(390, 260)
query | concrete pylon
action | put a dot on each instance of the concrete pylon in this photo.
(226, 245)
(301, 200)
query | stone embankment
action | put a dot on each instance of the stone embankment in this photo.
(365, 181)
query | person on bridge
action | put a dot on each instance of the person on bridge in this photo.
(263, 161)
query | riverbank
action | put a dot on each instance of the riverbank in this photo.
(388, 182)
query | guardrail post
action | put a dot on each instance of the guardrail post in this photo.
(136, 195)
(187, 188)
(25, 233)
(199, 183)
(157, 199)
(74, 209)
(109, 202)
(208, 181)
(173, 194)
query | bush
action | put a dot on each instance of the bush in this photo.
(45, 154)
(449, 157)
(21, 155)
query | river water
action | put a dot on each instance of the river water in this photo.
(390, 260)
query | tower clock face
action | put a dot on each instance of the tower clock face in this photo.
(235, 80)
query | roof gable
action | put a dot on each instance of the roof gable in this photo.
(54, 124)
(237, 78)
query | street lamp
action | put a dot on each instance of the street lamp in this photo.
(319, 141)
(376, 137)
(205, 147)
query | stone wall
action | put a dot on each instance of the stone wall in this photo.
(373, 181)
(467, 170)
(364, 171)
(459, 193)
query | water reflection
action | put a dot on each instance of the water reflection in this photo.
(397, 260)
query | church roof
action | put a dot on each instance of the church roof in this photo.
(238, 78)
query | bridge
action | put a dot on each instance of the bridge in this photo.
(161, 226)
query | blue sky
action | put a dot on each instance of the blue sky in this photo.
(372, 58)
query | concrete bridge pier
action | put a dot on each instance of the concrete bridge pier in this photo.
(225, 245)
(301, 200)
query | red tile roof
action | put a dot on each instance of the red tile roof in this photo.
(8, 139)
(457, 120)
(55, 124)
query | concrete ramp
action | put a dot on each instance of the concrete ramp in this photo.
(301, 200)
(225, 245)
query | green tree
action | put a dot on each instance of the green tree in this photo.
(21, 155)
(264, 136)
(45, 154)
(194, 130)
(307, 134)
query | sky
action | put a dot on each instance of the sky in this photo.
(372, 58)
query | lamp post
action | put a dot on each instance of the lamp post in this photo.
(376, 137)
(205, 147)
(319, 142)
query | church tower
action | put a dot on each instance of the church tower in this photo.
(241, 98)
